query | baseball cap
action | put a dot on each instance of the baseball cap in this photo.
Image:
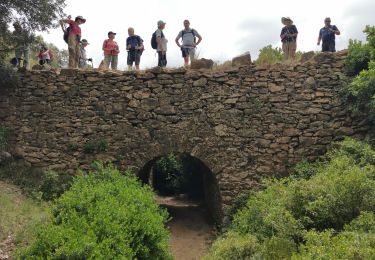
(110, 32)
(160, 22)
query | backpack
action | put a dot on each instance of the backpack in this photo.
(66, 33)
(191, 31)
(154, 43)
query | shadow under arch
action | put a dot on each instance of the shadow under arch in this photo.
(211, 189)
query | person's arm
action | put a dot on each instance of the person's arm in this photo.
(335, 30)
(140, 46)
(319, 38)
(158, 40)
(283, 34)
(128, 46)
(178, 38)
(104, 47)
(199, 38)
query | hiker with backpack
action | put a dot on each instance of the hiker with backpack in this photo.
(327, 36)
(22, 39)
(189, 42)
(159, 42)
(135, 47)
(72, 35)
(111, 51)
(288, 37)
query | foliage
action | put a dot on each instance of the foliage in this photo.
(318, 211)
(4, 137)
(95, 147)
(345, 245)
(169, 177)
(358, 57)
(46, 185)
(105, 215)
(363, 90)
(34, 15)
(233, 246)
(361, 59)
(269, 55)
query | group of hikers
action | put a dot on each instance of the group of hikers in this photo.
(189, 37)
(289, 33)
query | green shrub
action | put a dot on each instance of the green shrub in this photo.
(345, 245)
(8, 77)
(305, 169)
(358, 57)
(35, 182)
(269, 55)
(169, 177)
(95, 147)
(233, 246)
(104, 215)
(321, 211)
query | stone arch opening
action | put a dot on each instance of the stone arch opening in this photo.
(202, 185)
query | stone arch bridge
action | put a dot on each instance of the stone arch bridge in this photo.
(241, 123)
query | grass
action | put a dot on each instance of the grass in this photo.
(19, 214)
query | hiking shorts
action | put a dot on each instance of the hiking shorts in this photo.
(134, 56)
(188, 52)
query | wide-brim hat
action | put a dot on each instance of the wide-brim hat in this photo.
(81, 18)
(84, 41)
(284, 20)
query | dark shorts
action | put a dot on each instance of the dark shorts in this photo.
(134, 56)
(328, 46)
(185, 52)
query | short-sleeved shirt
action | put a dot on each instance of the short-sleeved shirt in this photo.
(112, 46)
(326, 35)
(292, 29)
(188, 37)
(76, 30)
(134, 41)
(163, 42)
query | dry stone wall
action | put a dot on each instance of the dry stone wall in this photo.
(242, 123)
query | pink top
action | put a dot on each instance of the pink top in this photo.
(110, 47)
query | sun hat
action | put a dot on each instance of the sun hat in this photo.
(286, 19)
(84, 41)
(79, 17)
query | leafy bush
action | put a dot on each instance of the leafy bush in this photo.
(104, 215)
(319, 212)
(46, 185)
(358, 57)
(346, 245)
(169, 178)
(8, 77)
(269, 55)
(233, 246)
(94, 147)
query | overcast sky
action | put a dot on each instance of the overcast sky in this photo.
(228, 28)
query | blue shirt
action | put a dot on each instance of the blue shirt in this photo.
(326, 35)
(133, 41)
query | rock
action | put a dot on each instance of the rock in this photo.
(202, 64)
(310, 83)
(306, 56)
(200, 82)
(243, 59)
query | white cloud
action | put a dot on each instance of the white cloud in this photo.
(228, 28)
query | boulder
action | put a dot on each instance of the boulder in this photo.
(306, 56)
(202, 64)
(243, 59)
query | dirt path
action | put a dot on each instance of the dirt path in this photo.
(191, 228)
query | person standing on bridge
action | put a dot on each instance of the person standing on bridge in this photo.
(288, 37)
(111, 51)
(189, 42)
(327, 36)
